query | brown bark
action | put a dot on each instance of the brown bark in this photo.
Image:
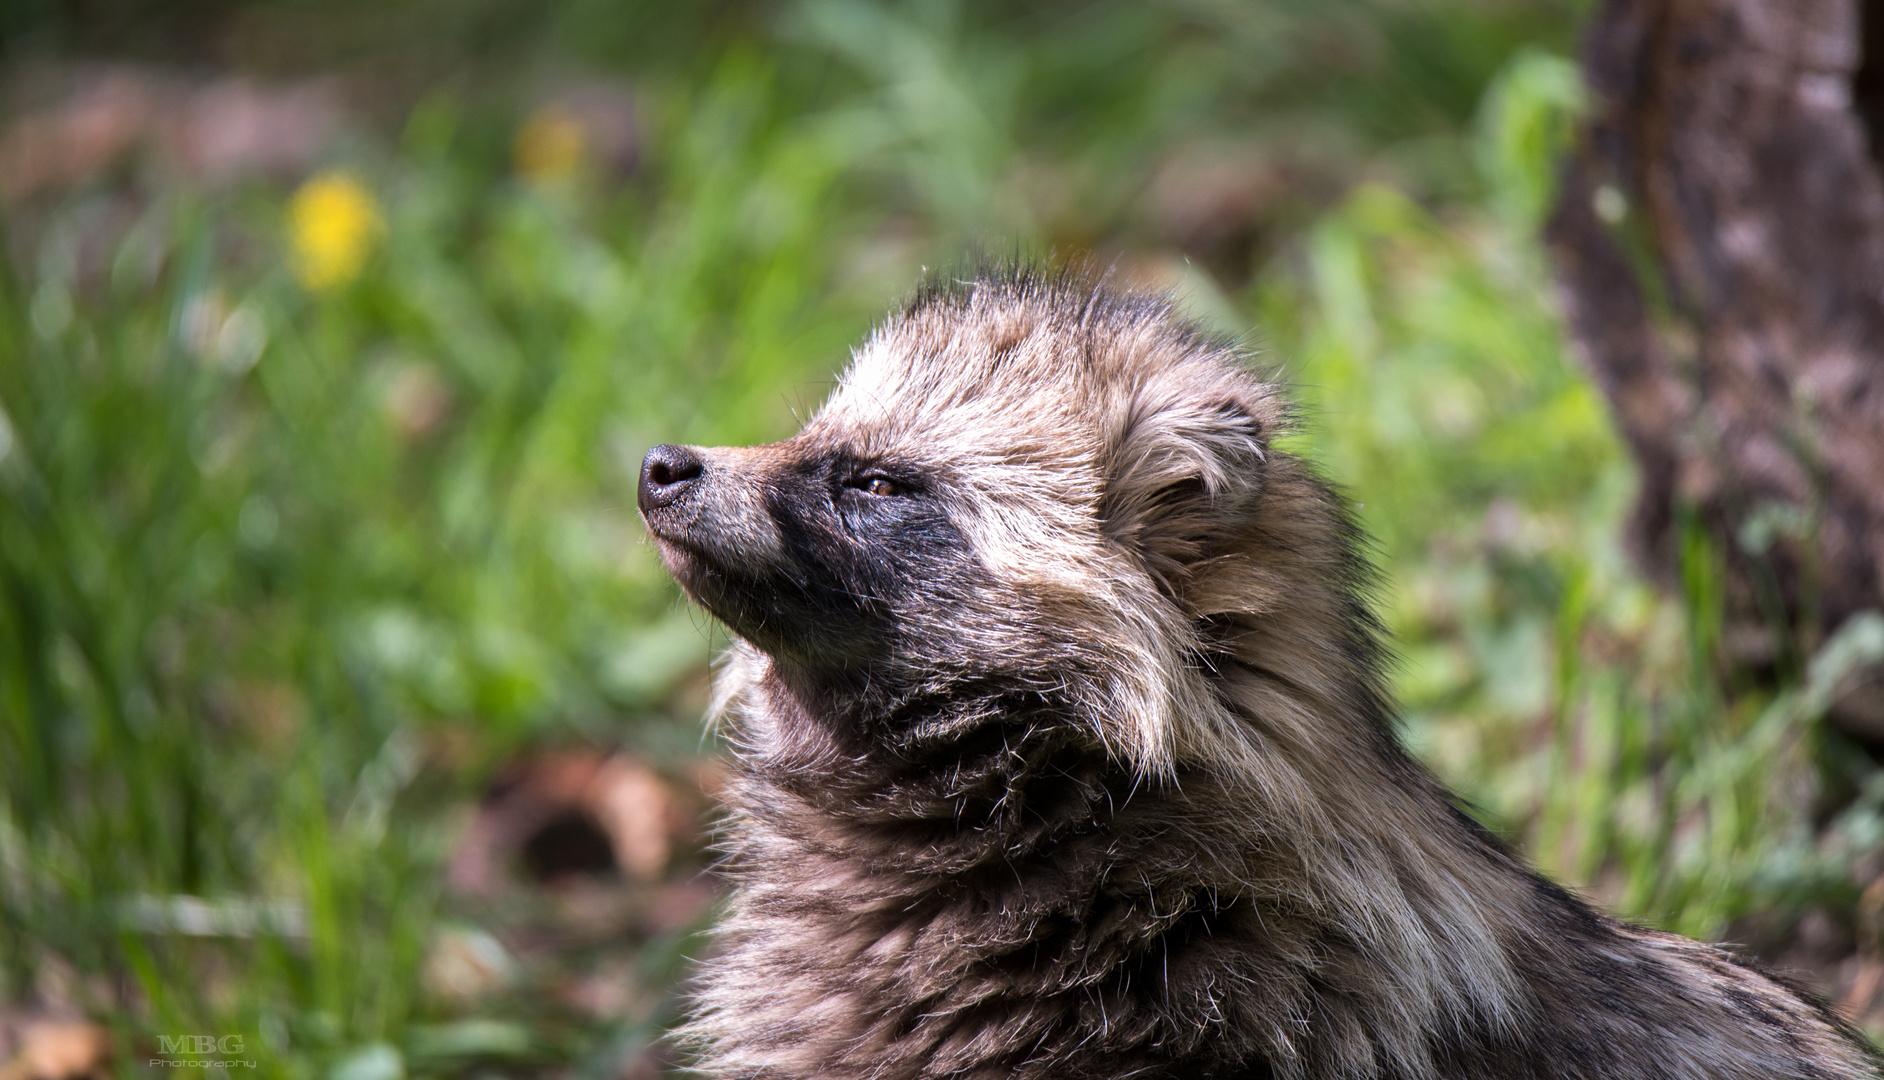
(1719, 241)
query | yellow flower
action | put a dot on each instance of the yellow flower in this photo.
(333, 224)
(550, 146)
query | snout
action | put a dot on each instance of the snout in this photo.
(709, 503)
(720, 517)
(667, 473)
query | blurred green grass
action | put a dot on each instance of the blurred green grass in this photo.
(288, 573)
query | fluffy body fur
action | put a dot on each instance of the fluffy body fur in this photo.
(1064, 751)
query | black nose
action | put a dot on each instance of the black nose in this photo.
(666, 474)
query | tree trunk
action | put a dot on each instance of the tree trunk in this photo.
(1719, 241)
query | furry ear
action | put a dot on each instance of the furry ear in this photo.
(1184, 470)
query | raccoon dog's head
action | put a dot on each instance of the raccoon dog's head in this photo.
(1022, 489)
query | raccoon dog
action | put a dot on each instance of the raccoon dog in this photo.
(1064, 750)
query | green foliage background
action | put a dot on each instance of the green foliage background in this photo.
(261, 631)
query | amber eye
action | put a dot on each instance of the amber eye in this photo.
(877, 485)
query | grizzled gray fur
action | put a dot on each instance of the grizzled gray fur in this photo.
(1064, 750)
